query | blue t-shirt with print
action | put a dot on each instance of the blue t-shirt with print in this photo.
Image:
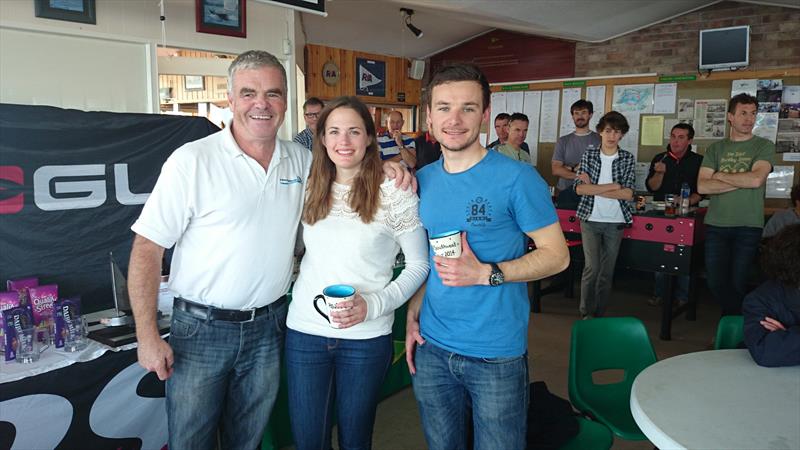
(495, 202)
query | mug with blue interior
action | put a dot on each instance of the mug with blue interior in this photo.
(332, 296)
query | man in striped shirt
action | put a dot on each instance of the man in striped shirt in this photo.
(394, 145)
(311, 109)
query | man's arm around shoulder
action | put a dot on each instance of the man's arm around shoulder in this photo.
(144, 275)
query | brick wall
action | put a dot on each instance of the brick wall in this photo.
(672, 47)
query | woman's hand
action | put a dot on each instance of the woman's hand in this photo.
(354, 312)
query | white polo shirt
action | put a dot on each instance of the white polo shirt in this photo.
(232, 224)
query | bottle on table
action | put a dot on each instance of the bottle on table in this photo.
(685, 192)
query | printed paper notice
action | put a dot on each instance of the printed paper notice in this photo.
(630, 141)
(709, 118)
(514, 102)
(635, 98)
(498, 102)
(779, 182)
(686, 108)
(530, 107)
(748, 87)
(548, 123)
(568, 97)
(665, 96)
(766, 125)
(652, 127)
(642, 170)
(596, 95)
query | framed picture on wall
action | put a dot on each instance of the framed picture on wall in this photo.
(193, 82)
(225, 17)
(82, 11)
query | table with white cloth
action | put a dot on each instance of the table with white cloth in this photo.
(718, 399)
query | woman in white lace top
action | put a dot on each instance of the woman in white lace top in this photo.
(354, 224)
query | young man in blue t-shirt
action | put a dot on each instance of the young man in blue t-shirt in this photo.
(467, 328)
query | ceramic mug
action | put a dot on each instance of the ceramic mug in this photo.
(332, 296)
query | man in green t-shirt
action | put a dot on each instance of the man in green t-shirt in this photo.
(734, 174)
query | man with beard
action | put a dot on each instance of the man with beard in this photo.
(568, 152)
(467, 330)
(734, 174)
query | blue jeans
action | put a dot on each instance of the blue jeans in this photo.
(497, 388)
(730, 254)
(601, 243)
(322, 370)
(226, 374)
(681, 286)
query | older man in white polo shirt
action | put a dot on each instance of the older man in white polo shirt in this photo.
(230, 203)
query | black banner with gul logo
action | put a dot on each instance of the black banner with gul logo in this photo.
(71, 185)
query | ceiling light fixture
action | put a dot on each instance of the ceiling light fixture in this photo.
(406, 14)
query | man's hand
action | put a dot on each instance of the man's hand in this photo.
(398, 138)
(413, 336)
(403, 178)
(465, 270)
(772, 325)
(353, 312)
(660, 167)
(155, 355)
(584, 177)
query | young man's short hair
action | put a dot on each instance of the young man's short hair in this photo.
(460, 72)
(582, 104)
(684, 126)
(613, 120)
(313, 101)
(741, 99)
(519, 116)
(502, 116)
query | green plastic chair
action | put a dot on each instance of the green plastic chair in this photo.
(591, 436)
(607, 344)
(730, 332)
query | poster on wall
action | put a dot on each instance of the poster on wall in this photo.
(790, 107)
(686, 108)
(788, 136)
(630, 141)
(530, 107)
(769, 95)
(710, 118)
(498, 102)
(568, 97)
(748, 87)
(371, 79)
(634, 98)
(766, 125)
(779, 182)
(596, 95)
(665, 96)
(548, 123)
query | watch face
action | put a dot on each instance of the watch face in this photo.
(496, 278)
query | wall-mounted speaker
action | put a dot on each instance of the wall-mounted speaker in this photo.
(417, 70)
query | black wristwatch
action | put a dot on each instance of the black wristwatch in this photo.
(496, 278)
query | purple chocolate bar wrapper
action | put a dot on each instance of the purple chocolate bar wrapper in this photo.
(66, 309)
(42, 299)
(21, 286)
(15, 319)
(8, 300)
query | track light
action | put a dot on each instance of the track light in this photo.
(406, 14)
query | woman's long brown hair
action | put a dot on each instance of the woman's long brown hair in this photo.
(364, 196)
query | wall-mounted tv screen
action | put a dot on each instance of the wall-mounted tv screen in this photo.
(724, 48)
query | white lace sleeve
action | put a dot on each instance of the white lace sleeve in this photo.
(402, 208)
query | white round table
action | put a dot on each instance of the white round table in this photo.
(718, 399)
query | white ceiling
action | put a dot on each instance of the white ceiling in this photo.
(376, 26)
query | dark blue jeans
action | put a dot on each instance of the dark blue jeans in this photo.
(322, 370)
(224, 373)
(730, 253)
(447, 383)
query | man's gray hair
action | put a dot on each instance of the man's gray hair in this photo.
(255, 59)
